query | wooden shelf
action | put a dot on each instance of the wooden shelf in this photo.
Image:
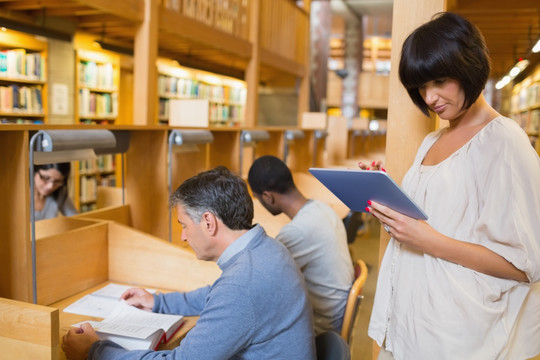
(226, 96)
(23, 85)
(98, 80)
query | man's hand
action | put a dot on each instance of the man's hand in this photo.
(139, 298)
(77, 342)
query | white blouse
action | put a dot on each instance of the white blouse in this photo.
(488, 193)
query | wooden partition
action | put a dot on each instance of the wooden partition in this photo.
(319, 152)
(188, 161)
(225, 148)
(28, 331)
(275, 146)
(70, 257)
(77, 253)
(120, 214)
(366, 145)
(146, 181)
(300, 155)
(141, 259)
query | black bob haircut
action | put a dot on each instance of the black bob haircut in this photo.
(448, 46)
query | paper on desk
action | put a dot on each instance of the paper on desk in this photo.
(116, 290)
(91, 305)
(101, 302)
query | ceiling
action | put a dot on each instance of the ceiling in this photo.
(510, 28)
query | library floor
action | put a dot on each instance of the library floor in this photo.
(365, 247)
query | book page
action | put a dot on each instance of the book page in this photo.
(127, 320)
(116, 290)
(101, 302)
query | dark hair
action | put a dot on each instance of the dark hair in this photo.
(268, 173)
(220, 192)
(447, 46)
(62, 168)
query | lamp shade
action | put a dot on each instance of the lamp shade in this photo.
(59, 140)
(320, 134)
(121, 143)
(294, 134)
(189, 137)
(255, 135)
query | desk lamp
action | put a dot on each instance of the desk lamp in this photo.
(53, 146)
(183, 138)
(250, 138)
(318, 135)
(291, 135)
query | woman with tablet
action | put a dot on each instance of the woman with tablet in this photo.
(463, 284)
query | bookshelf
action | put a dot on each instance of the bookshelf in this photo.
(23, 81)
(89, 174)
(226, 95)
(97, 81)
(525, 106)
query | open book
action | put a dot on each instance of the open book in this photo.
(101, 302)
(136, 329)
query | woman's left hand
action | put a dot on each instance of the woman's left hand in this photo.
(413, 232)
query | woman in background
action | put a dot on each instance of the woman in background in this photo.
(465, 283)
(50, 191)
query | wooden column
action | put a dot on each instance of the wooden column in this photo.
(252, 71)
(15, 249)
(145, 71)
(407, 126)
(304, 88)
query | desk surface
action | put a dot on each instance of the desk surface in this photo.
(68, 319)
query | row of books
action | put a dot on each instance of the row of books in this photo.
(217, 112)
(19, 64)
(97, 104)
(529, 121)
(88, 189)
(527, 97)
(534, 123)
(169, 86)
(97, 76)
(89, 184)
(103, 163)
(21, 99)
(20, 121)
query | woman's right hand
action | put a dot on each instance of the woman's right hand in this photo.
(376, 165)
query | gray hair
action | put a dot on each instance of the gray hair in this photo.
(219, 192)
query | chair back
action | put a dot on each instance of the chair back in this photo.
(331, 346)
(353, 301)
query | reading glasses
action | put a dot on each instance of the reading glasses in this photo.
(50, 180)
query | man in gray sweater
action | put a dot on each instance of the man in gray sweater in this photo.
(256, 309)
(315, 237)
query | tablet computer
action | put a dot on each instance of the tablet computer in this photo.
(355, 187)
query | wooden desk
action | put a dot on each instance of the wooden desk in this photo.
(78, 255)
(68, 319)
